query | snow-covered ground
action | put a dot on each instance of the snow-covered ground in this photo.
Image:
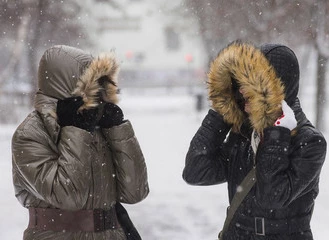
(164, 125)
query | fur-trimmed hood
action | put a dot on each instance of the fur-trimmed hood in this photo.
(256, 76)
(67, 71)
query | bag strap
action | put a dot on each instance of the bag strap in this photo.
(126, 223)
(243, 189)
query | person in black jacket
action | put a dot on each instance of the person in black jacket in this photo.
(256, 121)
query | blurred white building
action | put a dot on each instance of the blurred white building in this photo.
(156, 45)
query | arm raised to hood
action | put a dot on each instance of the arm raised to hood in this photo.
(205, 162)
(131, 172)
(59, 175)
(288, 166)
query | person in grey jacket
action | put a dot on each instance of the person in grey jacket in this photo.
(74, 157)
(256, 122)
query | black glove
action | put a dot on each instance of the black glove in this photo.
(112, 116)
(68, 115)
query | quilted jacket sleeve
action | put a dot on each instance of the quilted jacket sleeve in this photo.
(206, 157)
(56, 176)
(132, 183)
(288, 167)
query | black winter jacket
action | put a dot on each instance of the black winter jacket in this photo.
(287, 173)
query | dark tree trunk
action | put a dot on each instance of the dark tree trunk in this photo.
(321, 91)
(34, 39)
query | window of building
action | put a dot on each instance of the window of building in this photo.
(172, 39)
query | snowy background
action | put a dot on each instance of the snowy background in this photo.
(164, 124)
(159, 43)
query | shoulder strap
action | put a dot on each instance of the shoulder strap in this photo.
(245, 186)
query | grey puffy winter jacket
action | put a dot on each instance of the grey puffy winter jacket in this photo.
(70, 168)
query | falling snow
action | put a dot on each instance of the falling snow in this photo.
(178, 206)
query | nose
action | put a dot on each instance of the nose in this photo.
(238, 95)
(239, 99)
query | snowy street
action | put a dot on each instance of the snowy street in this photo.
(164, 125)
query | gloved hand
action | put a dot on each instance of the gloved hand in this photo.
(68, 115)
(287, 119)
(112, 116)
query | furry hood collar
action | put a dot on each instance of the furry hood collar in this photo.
(89, 86)
(66, 71)
(255, 75)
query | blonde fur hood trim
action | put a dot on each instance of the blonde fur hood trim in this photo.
(88, 86)
(255, 75)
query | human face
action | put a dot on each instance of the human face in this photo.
(237, 95)
(246, 100)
